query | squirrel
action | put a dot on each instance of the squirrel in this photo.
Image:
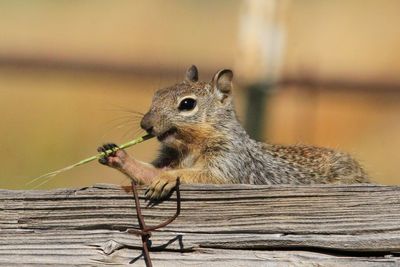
(202, 141)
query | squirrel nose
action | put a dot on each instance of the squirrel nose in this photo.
(149, 130)
(146, 123)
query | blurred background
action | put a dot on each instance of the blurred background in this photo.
(306, 71)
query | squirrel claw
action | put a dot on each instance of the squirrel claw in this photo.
(161, 188)
(109, 146)
(115, 158)
(103, 160)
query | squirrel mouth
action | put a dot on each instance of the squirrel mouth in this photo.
(165, 134)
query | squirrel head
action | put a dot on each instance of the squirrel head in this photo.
(187, 111)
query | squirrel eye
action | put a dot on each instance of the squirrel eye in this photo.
(187, 104)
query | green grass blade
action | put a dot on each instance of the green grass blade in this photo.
(47, 176)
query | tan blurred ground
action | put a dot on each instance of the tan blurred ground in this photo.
(68, 71)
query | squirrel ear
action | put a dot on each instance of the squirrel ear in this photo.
(192, 74)
(222, 81)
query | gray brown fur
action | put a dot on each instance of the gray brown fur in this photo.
(210, 146)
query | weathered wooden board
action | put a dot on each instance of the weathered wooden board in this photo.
(225, 225)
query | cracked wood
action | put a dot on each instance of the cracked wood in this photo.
(222, 225)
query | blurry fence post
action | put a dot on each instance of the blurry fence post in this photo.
(261, 45)
(256, 101)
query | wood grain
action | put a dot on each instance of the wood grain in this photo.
(224, 225)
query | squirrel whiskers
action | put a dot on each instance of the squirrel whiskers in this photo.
(202, 141)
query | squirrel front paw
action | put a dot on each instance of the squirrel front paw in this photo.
(161, 187)
(115, 159)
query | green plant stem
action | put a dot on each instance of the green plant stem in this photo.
(50, 175)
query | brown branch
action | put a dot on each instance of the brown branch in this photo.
(145, 232)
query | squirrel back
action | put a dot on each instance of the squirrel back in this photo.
(199, 131)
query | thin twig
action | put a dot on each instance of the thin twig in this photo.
(177, 212)
(142, 226)
(145, 232)
(48, 176)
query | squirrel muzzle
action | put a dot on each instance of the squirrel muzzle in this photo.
(147, 123)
